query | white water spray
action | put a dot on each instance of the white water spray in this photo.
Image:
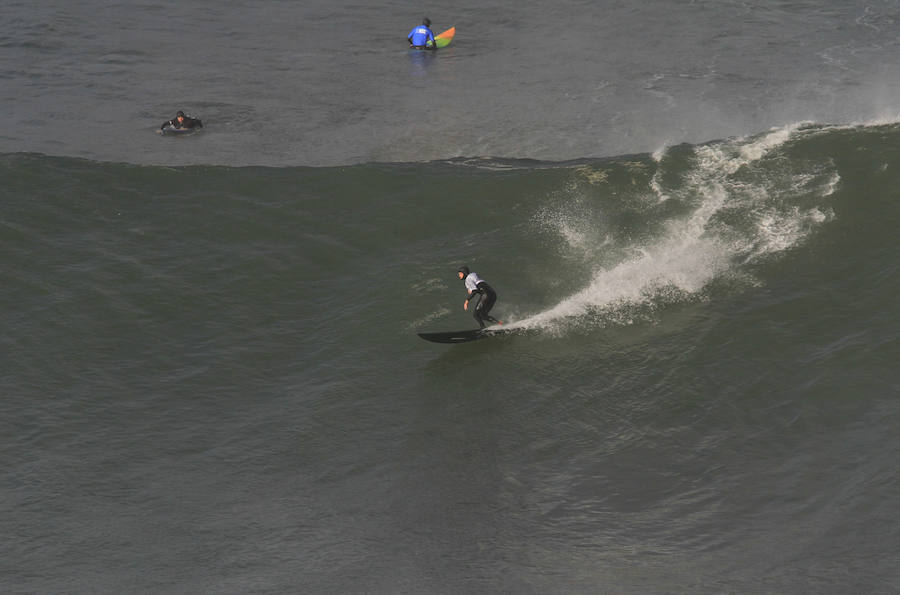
(692, 252)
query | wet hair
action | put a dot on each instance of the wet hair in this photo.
(180, 113)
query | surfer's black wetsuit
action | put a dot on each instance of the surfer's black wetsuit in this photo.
(188, 123)
(486, 298)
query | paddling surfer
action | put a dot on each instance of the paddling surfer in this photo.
(181, 121)
(475, 285)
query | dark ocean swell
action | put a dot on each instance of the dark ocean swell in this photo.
(216, 370)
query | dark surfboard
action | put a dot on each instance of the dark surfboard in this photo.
(461, 336)
(172, 131)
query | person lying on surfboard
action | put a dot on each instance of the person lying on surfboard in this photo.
(421, 37)
(182, 121)
(475, 285)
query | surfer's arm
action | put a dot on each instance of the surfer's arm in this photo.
(472, 294)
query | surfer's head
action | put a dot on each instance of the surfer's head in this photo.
(180, 115)
(463, 272)
(426, 21)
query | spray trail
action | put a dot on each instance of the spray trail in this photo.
(745, 203)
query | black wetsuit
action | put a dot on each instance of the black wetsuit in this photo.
(486, 299)
(188, 123)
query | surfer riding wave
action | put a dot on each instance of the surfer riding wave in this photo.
(476, 286)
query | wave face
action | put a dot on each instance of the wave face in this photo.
(216, 369)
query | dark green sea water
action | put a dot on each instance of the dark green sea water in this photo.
(211, 379)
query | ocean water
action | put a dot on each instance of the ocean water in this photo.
(211, 379)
